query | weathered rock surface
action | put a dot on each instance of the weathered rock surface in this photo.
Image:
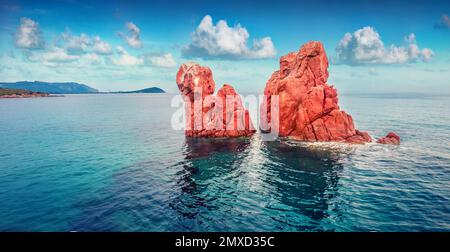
(308, 106)
(214, 118)
(390, 138)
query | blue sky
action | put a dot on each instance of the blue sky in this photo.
(374, 46)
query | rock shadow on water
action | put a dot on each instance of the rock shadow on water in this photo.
(202, 147)
(209, 167)
(296, 184)
(304, 179)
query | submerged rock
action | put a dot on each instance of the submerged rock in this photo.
(390, 138)
(308, 106)
(208, 115)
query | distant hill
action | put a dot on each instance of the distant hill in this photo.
(50, 87)
(145, 90)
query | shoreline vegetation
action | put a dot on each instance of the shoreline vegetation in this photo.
(28, 89)
(22, 93)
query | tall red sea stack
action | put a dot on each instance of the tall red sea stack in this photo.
(212, 110)
(308, 106)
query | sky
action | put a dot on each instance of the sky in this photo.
(372, 46)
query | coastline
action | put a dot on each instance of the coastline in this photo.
(33, 95)
(22, 93)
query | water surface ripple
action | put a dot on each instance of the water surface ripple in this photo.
(113, 163)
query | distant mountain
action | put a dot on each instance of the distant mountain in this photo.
(50, 87)
(145, 90)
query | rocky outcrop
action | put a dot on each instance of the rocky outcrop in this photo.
(210, 115)
(390, 138)
(25, 95)
(308, 106)
(20, 93)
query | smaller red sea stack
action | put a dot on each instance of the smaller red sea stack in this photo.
(213, 118)
(391, 138)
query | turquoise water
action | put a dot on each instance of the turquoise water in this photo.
(113, 163)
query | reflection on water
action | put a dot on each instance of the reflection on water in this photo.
(207, 166)
(306, 178)
(202, 147)
(220, 185)
(290, 180)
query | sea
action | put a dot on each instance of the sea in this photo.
(112, 162)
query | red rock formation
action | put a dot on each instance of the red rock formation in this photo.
(212, 117)
(390, 138)
(308, 106)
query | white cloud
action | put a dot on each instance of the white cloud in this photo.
(125, 59)
(426, 54)
(100, 46)
(121, 50)
(223, 41)
(411, 38)
(58, 55)
(84, 44)
(53, 55)
(68, 48)
(28, 35)
(444, 22)
(165, 60)
(75, 44)
(133, 39)
(81, 50)
(92, 58)
(60, 58)
(365, 46)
